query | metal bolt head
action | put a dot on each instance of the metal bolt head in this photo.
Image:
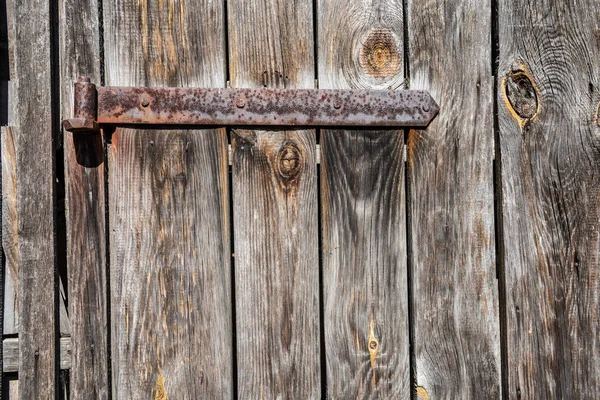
(145, 101)
(240, 103)
(337, 104)
(426, 107)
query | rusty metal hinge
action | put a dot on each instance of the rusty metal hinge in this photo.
(94, 106)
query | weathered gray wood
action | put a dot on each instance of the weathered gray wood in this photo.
(34, 142)
(548, 95)
(450, 171)
(10, 239)
(85, 212)
(10, 387)
(169, 215)
(363, 215)
(274, 180)
(4, 51)
(10, 351)
(9, 180)
(9, 230)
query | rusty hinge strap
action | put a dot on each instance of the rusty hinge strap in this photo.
(246, 107)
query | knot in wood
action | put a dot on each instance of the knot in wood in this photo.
(521, 94)
(379, 55)
(289, 161)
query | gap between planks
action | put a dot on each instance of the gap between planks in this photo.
(318, 154)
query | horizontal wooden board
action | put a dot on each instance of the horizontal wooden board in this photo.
(10, 351)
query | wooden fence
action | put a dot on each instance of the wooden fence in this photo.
(456, 262)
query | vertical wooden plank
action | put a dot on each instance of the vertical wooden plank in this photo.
(9, 231)
(168, 205)
(450, 170)
(9, 180)
(275, 209)
(34, 141)
(10, 388)
(8, 116)
(548, 95)
(85, 213)
(363, 209)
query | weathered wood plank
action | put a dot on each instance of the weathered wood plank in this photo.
(10, 239)
(450, 172)
(4, 45)
(10, 352)
(363, 214)
(34, 141)
(10, 387)
(548, 95)
(9, 230)
(274, 180)
(169, 215)
(85, 208)
(9, 176)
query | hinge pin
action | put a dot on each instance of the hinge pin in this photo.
(85, 108)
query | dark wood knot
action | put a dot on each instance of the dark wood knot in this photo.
(289, 161)
(380, 55)
(521, 94)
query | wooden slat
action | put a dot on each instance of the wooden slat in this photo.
(85, 212)
(9, 230)
(450, 170)
(10, 388)
(10, 352)
(275, 210)
(363, 215)
(34, 141)
(8, 105)
(10, 239)
(548, 95)
(169, 224)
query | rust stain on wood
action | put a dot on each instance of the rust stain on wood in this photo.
(380, 55)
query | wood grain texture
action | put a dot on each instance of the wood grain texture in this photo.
(274, 180)
(10, 388)
(548, 95)
(9, 177)
(450, 170)
(10, 238)
(363, 209)
(169, 223)
(34, 141)
(10, 354)
(10, 231)
(85, 208)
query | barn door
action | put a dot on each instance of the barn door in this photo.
(281, 263)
